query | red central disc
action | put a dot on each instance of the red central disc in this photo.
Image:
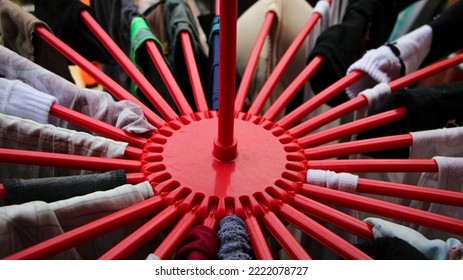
(264, 155)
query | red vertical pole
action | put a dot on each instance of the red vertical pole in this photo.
(225, 145)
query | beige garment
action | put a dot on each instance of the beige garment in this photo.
(22, 134)
(17, 32)
(24, 225)
(291, 16)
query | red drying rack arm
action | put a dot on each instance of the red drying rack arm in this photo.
(322, 97)
(293, 88)
(142, 235)
(383, 208)
(252, 62)
(353, 127)
(359, 146)
(192, 68)
(282, 65)
(375, 165)
(360, 101)
(96, 125)
(114, 88)
(3, 193)
(167, 77)
(133, 72)
(410, 192)
(68, 161)
(322, 234)
(167, 248)
(284, 237)
(89, 231)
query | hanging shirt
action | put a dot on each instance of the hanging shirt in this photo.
(97, 104)
(366, 24)
(17, 30)
(22, 134)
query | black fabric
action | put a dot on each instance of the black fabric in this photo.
(427, 108)
(59, 188)
(390, 248)
(63, 17)
(115, 16)
(446, 33)
(179, 18)
(367, 24)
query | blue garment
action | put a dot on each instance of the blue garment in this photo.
(213, 90)
(234, 240)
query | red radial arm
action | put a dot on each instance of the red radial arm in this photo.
(142, 235)
(252, 62)
(284, 237)
(375, 165)
(282, 65)
(322, 234)
(359, 146)
(225, 146)
(353, 128)
(192, 68)
(89, 231)
(322, 97)
(258, 240)
(114, 88)
(360, 101)
(150, 92)
(167, 248)
(95, 125)
(67, 161)
(293, 88)
(167, 77)
(383, 208)
(3, 193)
(410, 192)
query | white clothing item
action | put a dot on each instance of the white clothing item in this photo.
(290, 17)
(323, 8)
(97, 104)
(434, 249)
(24, 225)
(152, 257)
(338, 181)
(375, 96)
(21, 100)
(382, 65)
(22, 134)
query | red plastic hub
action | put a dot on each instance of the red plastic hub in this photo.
(182, 152)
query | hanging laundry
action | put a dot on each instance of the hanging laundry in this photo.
(24, 225)
(366, 25)
(179, 18)
(234, 240)
(427, 108)
(434, 249)
(140, 33)
(59, 188)
(22, 134)
(23, 101)
(213, 86)
(17, 32)
(115, 18)
(428, 43)
(97, 104)
(390, 248)
(290, 17)
(63, 17)
(200, 243)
